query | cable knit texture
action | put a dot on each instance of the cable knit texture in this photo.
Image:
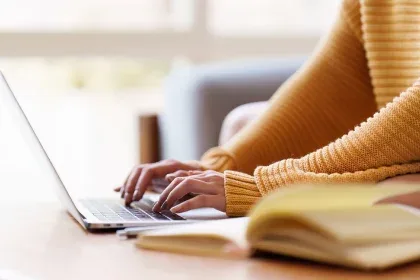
(371, 55)
(241, 191)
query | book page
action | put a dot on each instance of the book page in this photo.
(305, 199)
(365, 225)
(231, 230)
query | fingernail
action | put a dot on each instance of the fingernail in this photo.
(154, 206)
(170, 178)
(175, 209)
(128, 198)
(164, 206)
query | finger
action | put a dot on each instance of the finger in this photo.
(159, 169)
(124, 186)
(182, 173)
(189, 185)
(194, 203)
(117, 189)
(131, 182)
(162, 198)
(158, 205)
(144, 180)
(410, 199)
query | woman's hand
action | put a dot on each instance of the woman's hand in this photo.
(208, 186)
(409, 199)
(142, 175)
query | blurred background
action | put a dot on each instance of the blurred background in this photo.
(84, 70)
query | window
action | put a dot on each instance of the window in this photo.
(98, 15)
(132, 43)
(84, 69)
(270, 17)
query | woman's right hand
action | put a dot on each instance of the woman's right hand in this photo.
(141, 177)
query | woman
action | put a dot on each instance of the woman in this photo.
(308, 134)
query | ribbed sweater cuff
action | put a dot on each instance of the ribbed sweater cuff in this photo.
(241, 193)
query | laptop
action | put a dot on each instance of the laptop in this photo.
(91, 213)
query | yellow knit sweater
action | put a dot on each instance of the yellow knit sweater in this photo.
(371, 56)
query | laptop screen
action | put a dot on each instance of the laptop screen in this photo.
(10, 104)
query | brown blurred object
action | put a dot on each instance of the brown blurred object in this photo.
(149, 138)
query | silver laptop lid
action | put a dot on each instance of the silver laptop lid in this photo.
(9, 100)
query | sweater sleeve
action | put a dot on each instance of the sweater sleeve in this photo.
(386, 145)
(326, 98)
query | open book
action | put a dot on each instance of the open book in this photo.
(331, 224)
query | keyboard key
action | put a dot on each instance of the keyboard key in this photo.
(171, 215)
(139, 213)
(115, 219)
(101, 218)
(126, 215)
(145, 210)
(115, 207)
(156, 216)
(132, 218)
(111, 211)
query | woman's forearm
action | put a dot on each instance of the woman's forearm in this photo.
(386, 145)
(326, 98)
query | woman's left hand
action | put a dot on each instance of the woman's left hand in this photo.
(208, 187)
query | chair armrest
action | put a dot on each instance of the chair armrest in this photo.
(198, 99)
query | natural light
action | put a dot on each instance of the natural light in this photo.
(85, 70)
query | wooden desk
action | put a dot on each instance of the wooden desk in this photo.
(43, 242)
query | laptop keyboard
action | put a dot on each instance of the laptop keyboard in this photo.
(111, 211)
